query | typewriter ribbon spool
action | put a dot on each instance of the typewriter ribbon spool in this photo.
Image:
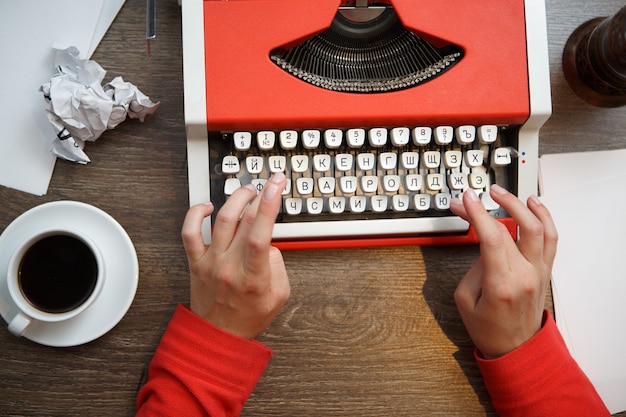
(366, 50)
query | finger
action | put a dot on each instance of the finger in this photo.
(192, 229)
(248, 218)
(280, 287)
(551, 235)
(494, 242)
(457, 207)
(531, 239)
(469, 290)
(256, 230)
(227, 218)
(266, 204)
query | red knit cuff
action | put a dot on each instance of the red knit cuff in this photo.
(527, 369)
(236, 361)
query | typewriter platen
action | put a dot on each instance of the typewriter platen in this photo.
(418, 89)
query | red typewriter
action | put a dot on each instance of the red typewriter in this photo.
(378, 113)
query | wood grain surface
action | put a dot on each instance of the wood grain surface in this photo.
(366, 332)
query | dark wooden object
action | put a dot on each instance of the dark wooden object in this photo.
(594, 60)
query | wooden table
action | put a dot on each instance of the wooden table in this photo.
(366, 332)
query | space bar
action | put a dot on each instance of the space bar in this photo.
(379, 227)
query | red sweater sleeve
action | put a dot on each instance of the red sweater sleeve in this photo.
(199, 369)
(540, 378)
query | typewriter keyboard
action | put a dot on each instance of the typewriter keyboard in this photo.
(367, 173)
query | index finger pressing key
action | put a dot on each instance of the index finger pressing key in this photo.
(227, 219)
(493, 237)
(531, 240)
(256, 229)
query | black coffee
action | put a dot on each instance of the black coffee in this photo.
(58, 273)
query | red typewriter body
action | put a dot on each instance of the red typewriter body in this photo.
(244, 88)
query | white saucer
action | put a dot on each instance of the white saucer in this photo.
(121, 266)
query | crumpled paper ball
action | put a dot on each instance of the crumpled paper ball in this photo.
(80, 108)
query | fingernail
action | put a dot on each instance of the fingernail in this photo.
(471, 195)
(251, 187)
(270, 191)
(277, 178)
(456, 202)
(208, 204)
(535, 200)
(272, 187)
(498, 190)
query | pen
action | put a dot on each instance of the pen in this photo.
(150, 22)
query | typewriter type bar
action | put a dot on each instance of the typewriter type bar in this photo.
(375, 143)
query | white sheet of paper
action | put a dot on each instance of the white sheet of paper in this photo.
(584, 192)
(27, 30)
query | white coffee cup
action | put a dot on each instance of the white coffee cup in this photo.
(53, 275)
